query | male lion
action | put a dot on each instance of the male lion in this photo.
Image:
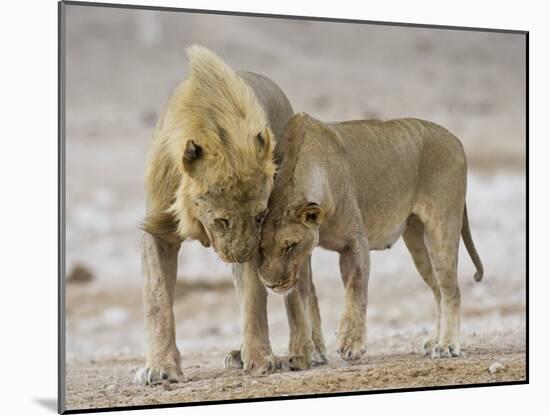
(357, 186)
(209, 176)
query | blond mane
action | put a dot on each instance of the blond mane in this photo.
(219, 112)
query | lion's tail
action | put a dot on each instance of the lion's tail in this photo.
(470, 247)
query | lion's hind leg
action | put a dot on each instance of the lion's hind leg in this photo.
(414, 240)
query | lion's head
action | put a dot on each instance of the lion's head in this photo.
(222, 147)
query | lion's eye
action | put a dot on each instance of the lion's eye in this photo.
(260, 217)
(290, 247)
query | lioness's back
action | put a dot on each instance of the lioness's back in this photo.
(400, 140)
(413, 129)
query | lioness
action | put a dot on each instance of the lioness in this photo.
(357, 186)
(209, 176)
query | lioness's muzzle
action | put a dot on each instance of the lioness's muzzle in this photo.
(281, 285)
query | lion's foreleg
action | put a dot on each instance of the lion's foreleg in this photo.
(233, 359)
(256, 353)
(354, 267)
(159, 261)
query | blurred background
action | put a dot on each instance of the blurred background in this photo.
(123, 64)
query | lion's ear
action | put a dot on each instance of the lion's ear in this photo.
(264, 143)
(191, 156)
(311, 215)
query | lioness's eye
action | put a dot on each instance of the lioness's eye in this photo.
(221, 223)
(260, 217)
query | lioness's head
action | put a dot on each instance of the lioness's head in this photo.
(224, 148)
(288, 237)
(291, 228)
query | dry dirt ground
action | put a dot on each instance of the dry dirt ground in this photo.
(204, 383)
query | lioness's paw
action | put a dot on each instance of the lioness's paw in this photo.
(233, 360)
(351, 338)
(429, 346)
(261, 365)
(300, 353)
(350, 349)
(151, 375)
(446, 350)
(295, 362)
(319, 357)
(353, 352)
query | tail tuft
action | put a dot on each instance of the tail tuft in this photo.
(478, 277)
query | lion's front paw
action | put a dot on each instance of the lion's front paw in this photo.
(233, 360)
(442, 350)
(260, 363)
(152, 375)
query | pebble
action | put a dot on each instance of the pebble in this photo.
(496, 367)
(80, 274)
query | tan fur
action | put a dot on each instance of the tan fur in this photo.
(219, 111)
(357, 186)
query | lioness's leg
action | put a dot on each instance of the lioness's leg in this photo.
(300, 346)
(307, 345)
(354, 267)
(442, 238)
(414, 239)
(320, 354)
(256, 353)
(159, 261)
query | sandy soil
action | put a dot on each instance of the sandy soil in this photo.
(202, 383)
(121, 67)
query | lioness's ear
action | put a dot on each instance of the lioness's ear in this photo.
(264, 143)
(191, 155)
(311, 215)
